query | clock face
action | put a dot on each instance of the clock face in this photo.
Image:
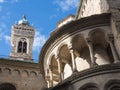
(23, 32)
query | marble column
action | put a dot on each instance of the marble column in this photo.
(62, 75)
(48, 83)
(51, 77)
(59, 69)
(111, 42)
(47, 77)
(74, 67)
(90, 46)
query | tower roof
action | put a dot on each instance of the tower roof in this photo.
(23, 21)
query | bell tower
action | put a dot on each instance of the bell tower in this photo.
(22, 37)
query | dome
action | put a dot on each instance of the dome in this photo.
(24, 21)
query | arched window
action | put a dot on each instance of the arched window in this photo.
(24, 47)
(112, 85)
(115, 87)
(19, 46)
(89, 86)
(7, 86)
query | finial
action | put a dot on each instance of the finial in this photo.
(24, 21)
(24, 17)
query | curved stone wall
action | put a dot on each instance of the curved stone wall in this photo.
(77, 46)
(104, 77)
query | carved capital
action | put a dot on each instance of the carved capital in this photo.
(70, 46)
(88, 40)
(50, 67)
(116, 15)
(111, 37)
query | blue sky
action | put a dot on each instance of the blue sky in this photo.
(42, 14)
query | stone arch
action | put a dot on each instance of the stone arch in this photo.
(65, 56)
(112, 85)
(89, 86)
(7, 86)
(22, 45)
(19, 49)
(100, 35)
(25, 73)
(61, 44)
(81, 52)
(49, 59)
(54, 68)
(100, 47)
(33, 74)
(7, 71)
(16, 72)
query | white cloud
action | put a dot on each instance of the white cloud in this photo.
(9, 1)
(3, 33)
(67, 5)
(39, 40)
(6, 17)
(3, 25)
(4, 37)
(1, 1)
(7, 38)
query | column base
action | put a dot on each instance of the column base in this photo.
(94, 65)
(75, 71)
(117, 61)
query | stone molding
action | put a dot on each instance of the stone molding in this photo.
(19, 64)
(94, 71)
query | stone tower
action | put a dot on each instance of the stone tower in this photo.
(22, 38)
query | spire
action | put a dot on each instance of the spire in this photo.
(24, 17)
(24, 21)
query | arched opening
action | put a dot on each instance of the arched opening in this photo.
(81, 52)
(112, 85)
(65, 58)
(54, 69)
(7, 71)
(24, 47)
(67, 71)
(19, 47)
(89, 86)
(33, 74)
(7, 86)
(102, 52)
(25, 73)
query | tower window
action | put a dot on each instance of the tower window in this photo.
(22, 47)
(19, 46)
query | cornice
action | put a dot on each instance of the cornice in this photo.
(98, 70)
(19, 64)
(81, 24)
